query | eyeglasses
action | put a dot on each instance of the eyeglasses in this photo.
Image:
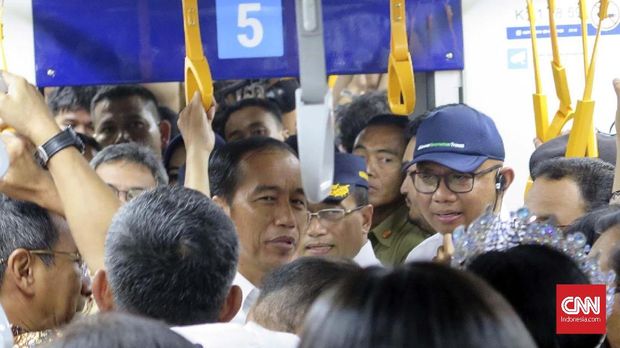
(73, 257)
(428, 183)
(328, 217)
(129, 194)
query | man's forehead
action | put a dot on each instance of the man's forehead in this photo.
(314, 207)
(273, 167)
(378, 137)
(121, 105)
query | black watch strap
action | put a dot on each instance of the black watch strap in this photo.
(62, 140)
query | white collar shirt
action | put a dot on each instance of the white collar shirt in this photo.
(366, 256)
(226, 335)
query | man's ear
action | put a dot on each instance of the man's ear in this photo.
(367, 216)
(20, 268)
(222, 203)
(231, 305)
(165, 129)
(509, 176)
(101, 292)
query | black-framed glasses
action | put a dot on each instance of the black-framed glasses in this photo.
(456, 182)
(129, 194)
(327, 217)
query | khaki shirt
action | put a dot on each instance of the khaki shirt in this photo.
(395, 237)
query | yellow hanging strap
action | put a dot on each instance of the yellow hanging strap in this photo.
(541, 115)
(2, 51)
(565, 110)
(401, 84)
(582, 139)
(583, 15)
(197, 72)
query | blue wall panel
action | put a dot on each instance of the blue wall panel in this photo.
(126, 41)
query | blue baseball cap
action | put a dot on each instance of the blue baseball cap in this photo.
(349, 171)
(458, 137)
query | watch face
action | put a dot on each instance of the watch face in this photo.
(4, 159)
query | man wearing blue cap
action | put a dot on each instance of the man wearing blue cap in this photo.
(338, 226)
(456, 173)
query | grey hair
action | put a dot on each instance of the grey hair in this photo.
(24, 225)
(171, 254)
(133, 153)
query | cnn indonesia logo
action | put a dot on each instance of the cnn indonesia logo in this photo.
(580, 309)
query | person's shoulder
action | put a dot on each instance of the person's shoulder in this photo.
(236, 335)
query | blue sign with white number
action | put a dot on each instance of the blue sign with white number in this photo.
(81, 42)
(249, 28)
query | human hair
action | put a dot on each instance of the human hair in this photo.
(132, 153)
(288, 292)
(171, 254)
(118, 330)
(219, 122)
(425, 304)
(125, 91)
(360, 194)
(391, 120)
(593, 177)
(224, 164)
(594, 223)
(24, 225)
(527, 276)
(352, 118)
(71, 98)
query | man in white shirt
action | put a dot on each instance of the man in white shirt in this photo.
(257, 181)
(338, 226)
(456, 173)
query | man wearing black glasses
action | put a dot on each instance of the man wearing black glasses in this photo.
(338, 226)
(456, 173)
(43, 277)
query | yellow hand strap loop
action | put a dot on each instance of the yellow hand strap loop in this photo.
(582, 139)
(401, 84)
(197, 72)
(565, 110)
(541, 114)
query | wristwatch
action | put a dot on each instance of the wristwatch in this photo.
(68, 137)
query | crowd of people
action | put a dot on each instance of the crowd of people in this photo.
(137, 226)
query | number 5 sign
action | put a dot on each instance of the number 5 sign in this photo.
(249, 28)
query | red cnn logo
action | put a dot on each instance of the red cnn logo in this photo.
(580, 309)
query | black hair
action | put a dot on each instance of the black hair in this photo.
(594, 223)
(118, 330)
(125, 91)
(24, 225)
(593, 176)
(421, 304)
(391, 120)
(352, 118)
(288, 292)
(527, 276)
(171, 254)
(222, 117)
(224, 169)
(65, 99)
(132, 153)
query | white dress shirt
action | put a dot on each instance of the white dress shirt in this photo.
(366, 256)
(226, 335)
(249, 295)
(427, 250)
